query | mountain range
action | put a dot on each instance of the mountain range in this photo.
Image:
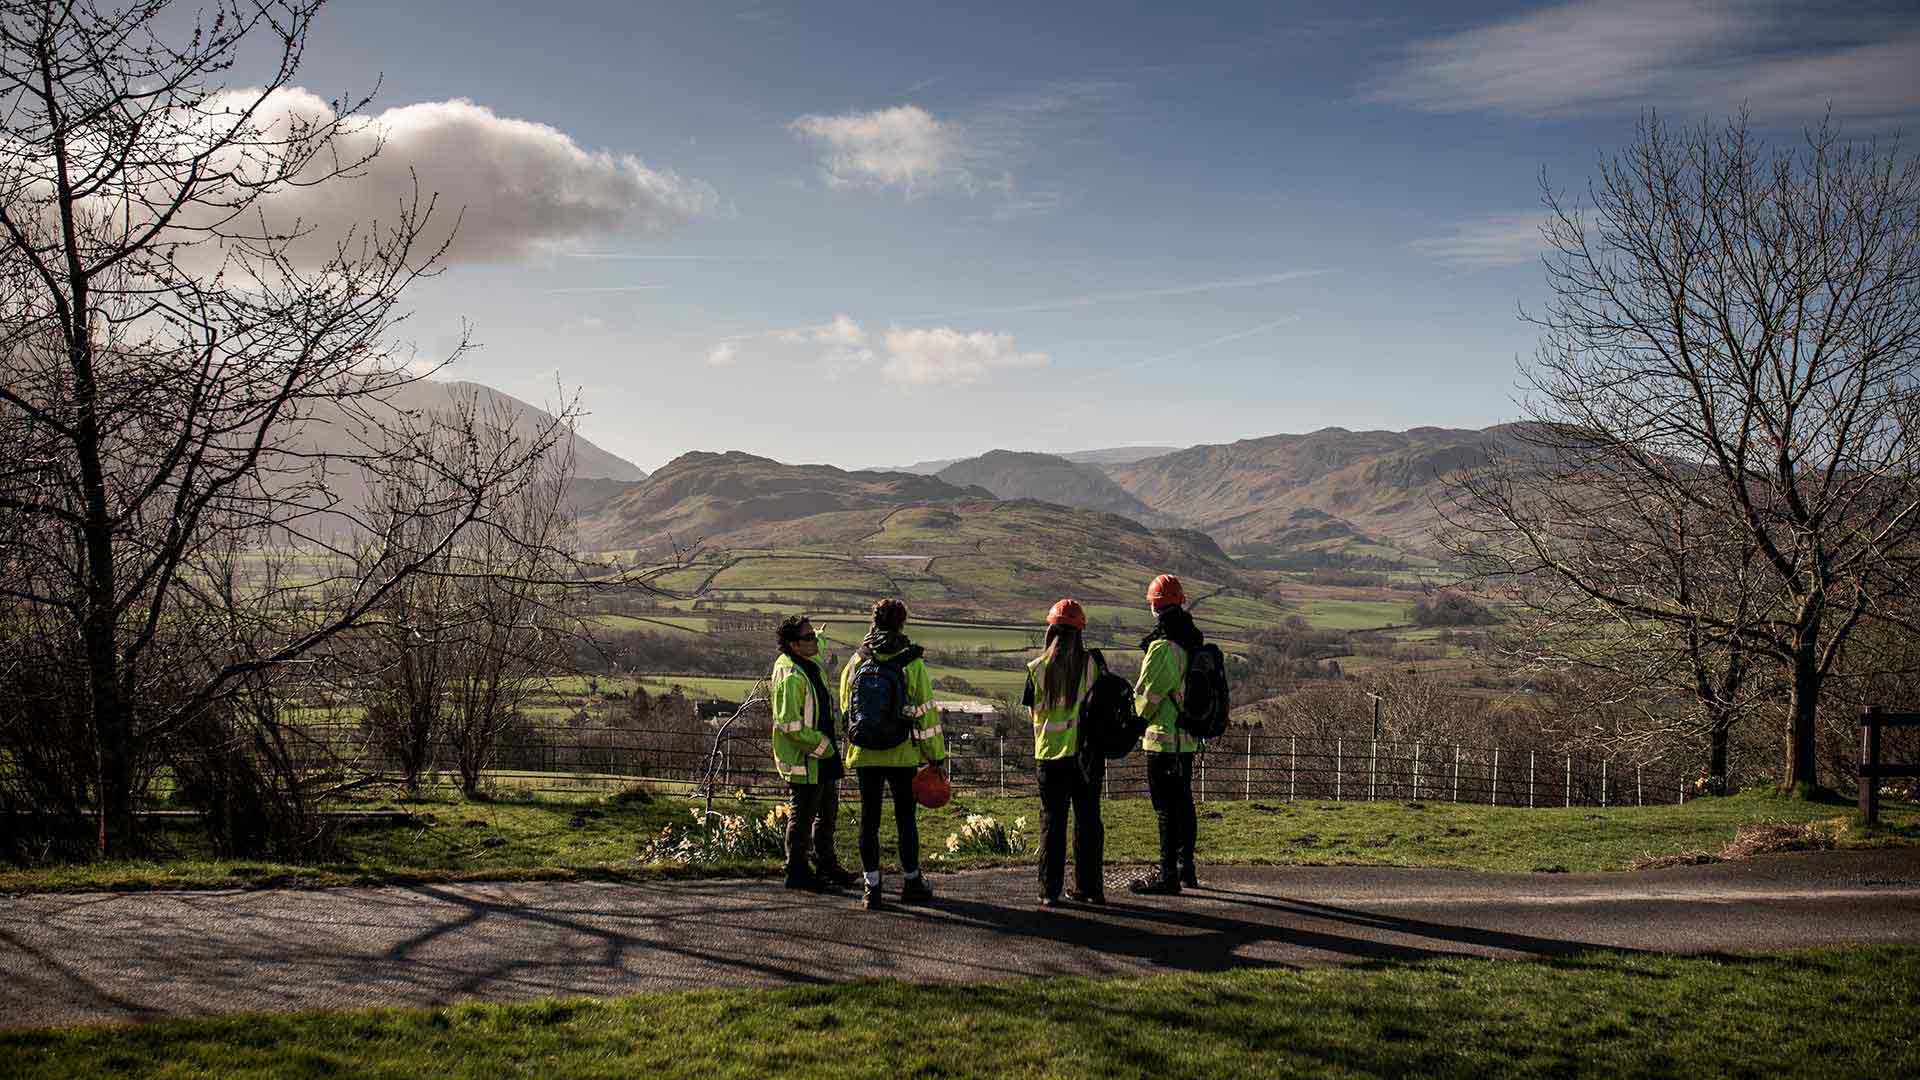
(1328, 496)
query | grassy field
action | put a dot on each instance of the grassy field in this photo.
(1830, 1013)
(600, 837)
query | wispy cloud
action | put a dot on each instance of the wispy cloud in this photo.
(1067, 303)
(979, 151)
(1483, 243)
(640, 287)
(899, 147)
(1782, 60)
(632, 256)
(1197, 347)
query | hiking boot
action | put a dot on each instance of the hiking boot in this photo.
(1049, 901)
(870, 897)
(915, 890)
(1189, 878)
(1154, 885)
(837, 876)
(1094, 899)
(802, 880)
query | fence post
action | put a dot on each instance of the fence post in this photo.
(1603, 784)
(1639, 786)
(1203, 777)
(1373, 767)
(1495, 798)
(1456, 772)
(1339, 754)
(1293, 767)
(1870, 765)
(1569, 779)
(1249, 763)
(1530, 781)
(1416, 770)
(1000, 750)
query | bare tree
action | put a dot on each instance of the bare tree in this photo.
(164, 333)
(1720, 463)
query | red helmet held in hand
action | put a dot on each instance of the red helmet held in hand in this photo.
(931, 788)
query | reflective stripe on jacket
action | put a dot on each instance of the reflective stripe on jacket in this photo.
(927, 744)
(1056, 732)
(1155, 697)
(798, 743)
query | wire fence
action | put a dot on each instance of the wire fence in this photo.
(1246, 763)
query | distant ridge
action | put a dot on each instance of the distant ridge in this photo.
(1117, 455)
(1328, 495)
(1013, 474)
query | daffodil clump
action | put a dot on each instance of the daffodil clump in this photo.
(719, 836)
(984, 835)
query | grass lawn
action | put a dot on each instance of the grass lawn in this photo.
(1839, 1013)
(600, 837)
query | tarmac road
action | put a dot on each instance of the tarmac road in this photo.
(132, 956)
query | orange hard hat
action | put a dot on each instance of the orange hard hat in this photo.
(1068, 613)
(931, 788)
(1166, 591)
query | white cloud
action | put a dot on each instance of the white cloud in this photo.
(903, 147)
(842, 332)
(841, 348)
(1500, 240)
(948, 357)
(518, 187)
(1696, 54)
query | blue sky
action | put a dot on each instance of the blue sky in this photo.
(877, 234)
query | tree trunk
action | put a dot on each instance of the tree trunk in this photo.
(1718, 732)
(1802, 710)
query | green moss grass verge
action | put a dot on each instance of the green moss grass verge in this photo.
(1839, 1013)
(601, 839)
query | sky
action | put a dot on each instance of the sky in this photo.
(877, 234)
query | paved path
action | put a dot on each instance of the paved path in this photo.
(133, 956)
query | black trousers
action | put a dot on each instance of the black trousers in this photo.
(1063, 786)
(816, 810)
(1170, 785)
(874, 784)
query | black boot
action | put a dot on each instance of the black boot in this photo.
(870, 897)
(1158, 883)
(915, 890)
(838, 877)
(803, 879)
(1189, 878)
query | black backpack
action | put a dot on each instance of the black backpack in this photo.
(877, 709)
(1203, 694)
(1108, 726)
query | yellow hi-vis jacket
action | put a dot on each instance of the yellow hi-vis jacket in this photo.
(798, 743)
(926, 743)
(1155, 697)
(1056, 732)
